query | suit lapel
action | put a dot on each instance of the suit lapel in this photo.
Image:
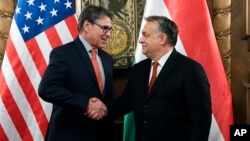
(146, 72)
(82, 52)
(167, 68)
(104, 61)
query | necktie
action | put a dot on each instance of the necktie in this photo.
(155, 65)
(97, 69)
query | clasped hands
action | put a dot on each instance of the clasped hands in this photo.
(96, 109)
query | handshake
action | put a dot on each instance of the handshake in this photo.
(96, 109)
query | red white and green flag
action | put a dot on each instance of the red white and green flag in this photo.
(196, 40)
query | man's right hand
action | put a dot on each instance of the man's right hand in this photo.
(96, 109)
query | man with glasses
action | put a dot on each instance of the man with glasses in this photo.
(78, 71)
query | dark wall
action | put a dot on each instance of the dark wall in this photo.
(240, 62)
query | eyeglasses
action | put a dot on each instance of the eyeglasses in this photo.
(105, 28)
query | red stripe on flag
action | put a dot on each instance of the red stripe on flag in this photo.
(53, 37)
(14, 112)
(71, 24)
(27, 87)
(19, 67)
(195, 30)
(3, 134)
(36, 55)
(197, 35)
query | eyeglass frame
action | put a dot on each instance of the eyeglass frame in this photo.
(105, 28)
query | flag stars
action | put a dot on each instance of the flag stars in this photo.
(39, 20)
(53, 12)
(68, 4)
(17, 10)
(26, 28)
(42, 7)
(30, 2)
(55, 1)
(28, 15)
(35, 16)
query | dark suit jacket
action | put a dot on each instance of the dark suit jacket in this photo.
(68, 82)
(178, 107)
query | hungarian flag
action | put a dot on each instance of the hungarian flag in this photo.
(196, 40)
(36, 28)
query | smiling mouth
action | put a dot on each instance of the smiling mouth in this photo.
(103, 39)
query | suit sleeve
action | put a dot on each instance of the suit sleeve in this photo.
(123, 104)
(51, 87)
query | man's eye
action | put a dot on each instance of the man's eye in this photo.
(107, 28)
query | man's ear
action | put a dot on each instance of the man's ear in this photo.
(164, 39)
(86, 26)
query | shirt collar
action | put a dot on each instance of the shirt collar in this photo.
(164, 58)
(86, 44)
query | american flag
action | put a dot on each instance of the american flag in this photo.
(37, 27)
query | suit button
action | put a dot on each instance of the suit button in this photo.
(145, 122)
(146, 106)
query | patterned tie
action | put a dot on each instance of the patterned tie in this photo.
(97, 69)
(155, 65)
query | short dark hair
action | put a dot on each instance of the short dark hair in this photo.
(167, 26)
(92, 13)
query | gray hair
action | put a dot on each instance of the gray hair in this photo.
(167, 26)
(91, 13)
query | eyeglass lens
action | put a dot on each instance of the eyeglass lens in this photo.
(105, 28)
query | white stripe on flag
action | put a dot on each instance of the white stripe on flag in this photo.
(63, 32)
(20, 100)
(45, 46)
(24, 55)
(215, 133)
(7, 124)
(31, 70)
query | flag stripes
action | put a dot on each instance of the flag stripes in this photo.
(12, 117)
(43, 41)
(24, 116)
(2, 134)
(65, 32)
(197, 41)
(72, 22)
(54, 39)
(28, 90)
(200, 44)
(36, 55)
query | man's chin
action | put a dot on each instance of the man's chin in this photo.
(102, 46)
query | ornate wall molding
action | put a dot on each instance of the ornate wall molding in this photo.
(246, 21)
(246, 18)
(222, 29)
(246, 104)
(246, 98)
(6, 13)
